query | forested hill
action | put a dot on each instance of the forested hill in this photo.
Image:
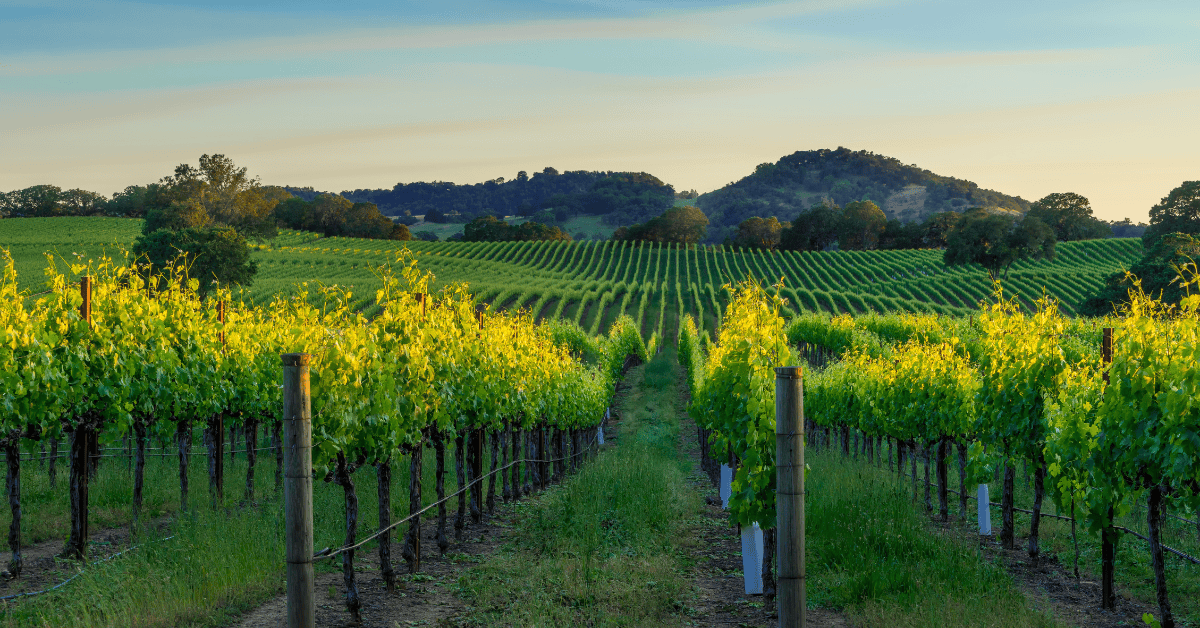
(800, 180)
(621, 197)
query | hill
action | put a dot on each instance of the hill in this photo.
(798, 181)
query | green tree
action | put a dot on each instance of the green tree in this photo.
(860, 226)
(682, 225)
(1157, 271)
(184, 214)
(227, 194)
(1070, 216)
(997, 241)
(215, 256)
(938, 227)
(1179, 212)
(813, 230)
(759, 233)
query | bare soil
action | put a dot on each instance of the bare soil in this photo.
(41, 568)
(422, 599)
(1052, 586)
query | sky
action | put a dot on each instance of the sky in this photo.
(1023, 97)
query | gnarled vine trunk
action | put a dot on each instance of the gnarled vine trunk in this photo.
(183, 441)
(1035, 519)
(460, 520)
(81, 453)
(412, 542)
(1006, 505)
(1154, 521)
(439, 452)
(342, 478)
(383, 489)
(12, 452)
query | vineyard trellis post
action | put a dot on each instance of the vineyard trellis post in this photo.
(297, 494)
(789, 496)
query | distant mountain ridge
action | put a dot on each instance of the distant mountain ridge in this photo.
(798, 181)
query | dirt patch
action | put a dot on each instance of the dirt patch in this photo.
(41, 567)
(1051, 586)
(422, 599)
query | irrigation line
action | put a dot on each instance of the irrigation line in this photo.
(327, 553)
(64, 582)
(1121, 528)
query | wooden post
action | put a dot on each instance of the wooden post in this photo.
(297, 493)
(789, 496)
(221, 320)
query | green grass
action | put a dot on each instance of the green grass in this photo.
(217, 564)
(873, 553)
(600, 550)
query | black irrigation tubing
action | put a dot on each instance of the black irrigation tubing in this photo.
(327, 553)
(64, 582)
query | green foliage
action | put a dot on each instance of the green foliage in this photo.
(843, 176)
(996, 242)
(489, 229)
(1178, 212)
(737, 398)
(681, 225)
(860, 226)
(215, 256)
(1070, 216)
(759, 233)
(1157, 273)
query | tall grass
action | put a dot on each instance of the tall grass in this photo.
(599, 550)
(871, 552)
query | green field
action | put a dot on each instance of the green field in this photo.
(593, 282)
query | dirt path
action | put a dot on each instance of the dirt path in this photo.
(716, 549)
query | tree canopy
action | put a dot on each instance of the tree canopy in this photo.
(1070, 216)
(861, 224)
(813, 230)
(681, 225)
(1157, 271)
(213, 256)
(491, 229)
(997, 241)
(1179, 212)
(759, 233)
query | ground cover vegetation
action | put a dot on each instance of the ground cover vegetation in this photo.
(1103, 422)
(118, 357)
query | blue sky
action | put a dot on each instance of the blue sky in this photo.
(1028, 98)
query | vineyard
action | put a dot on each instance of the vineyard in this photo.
(119, 359)
(1101, 413)
(594, 283)
(502, 359)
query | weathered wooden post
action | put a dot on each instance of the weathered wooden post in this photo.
(297, 492)
(789, 495)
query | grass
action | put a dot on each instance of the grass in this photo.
(599, 550)
(218, 563)
(872, 553)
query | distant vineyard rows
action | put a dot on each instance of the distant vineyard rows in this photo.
(593, 283)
